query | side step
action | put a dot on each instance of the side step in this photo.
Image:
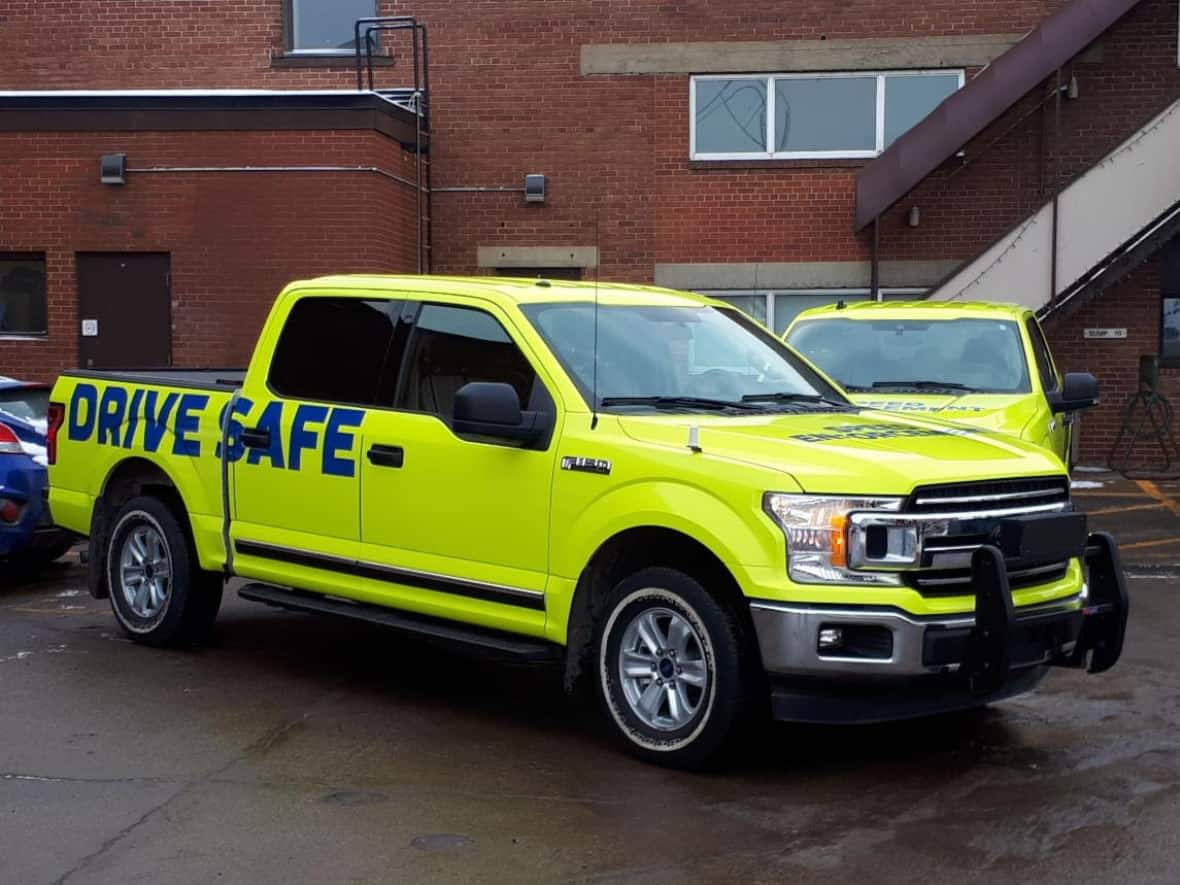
(492, 642)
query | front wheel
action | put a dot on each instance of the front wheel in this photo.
(159, 594)
(672, 669)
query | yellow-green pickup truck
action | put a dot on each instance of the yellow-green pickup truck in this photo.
(640, 485)
(985, 364)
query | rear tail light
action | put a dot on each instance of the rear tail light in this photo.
(9, 510)
(56, 417)
(9, 441)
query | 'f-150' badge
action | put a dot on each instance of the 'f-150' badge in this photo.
(585, 465)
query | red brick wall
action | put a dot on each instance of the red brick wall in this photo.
(1133, 305)
(235, 238)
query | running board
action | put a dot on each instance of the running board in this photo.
(433, 629)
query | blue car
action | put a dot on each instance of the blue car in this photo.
(27, 533)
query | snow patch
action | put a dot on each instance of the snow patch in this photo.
(19, 656)
(66, 594)
(1085, 484)
(36, 452)
(1091, 470)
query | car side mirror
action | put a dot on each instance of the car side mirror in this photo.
(491, 409)
(1079, 390)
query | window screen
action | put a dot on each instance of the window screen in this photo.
(341, 350)
(327, 25)
(23, 309)
(455, 346)
(1170, 302)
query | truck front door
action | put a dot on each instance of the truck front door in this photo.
(458, 528)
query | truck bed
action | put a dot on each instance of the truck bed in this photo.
(198, 379)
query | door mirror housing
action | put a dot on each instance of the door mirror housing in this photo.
(1079, 390)
(491, 409)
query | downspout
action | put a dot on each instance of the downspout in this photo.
(875, 263)
(1056, 187)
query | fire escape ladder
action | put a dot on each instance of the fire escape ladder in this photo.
(415, 99)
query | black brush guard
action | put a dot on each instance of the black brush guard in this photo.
(991, 647)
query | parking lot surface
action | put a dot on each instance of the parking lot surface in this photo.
(301, 749)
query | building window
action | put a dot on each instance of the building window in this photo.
(810, 116)
(325, 27)
(777, 309)
(1170, 303)
(23, 309)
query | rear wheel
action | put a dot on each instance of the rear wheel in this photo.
(159, 594)
(671, 669)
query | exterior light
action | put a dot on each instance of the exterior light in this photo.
(113, 169)
(915, 217)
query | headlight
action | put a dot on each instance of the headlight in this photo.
(816, 527)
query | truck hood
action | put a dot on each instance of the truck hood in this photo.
(870, 452)
(1007, 413)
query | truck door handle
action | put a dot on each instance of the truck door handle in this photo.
(255, 438)
(386, 456)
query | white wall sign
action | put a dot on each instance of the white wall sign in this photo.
(1106, 333)
(89, 328)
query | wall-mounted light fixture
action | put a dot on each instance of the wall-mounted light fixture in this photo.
(534, 188)
(113, 169)
(915, 217)
(1071, 91)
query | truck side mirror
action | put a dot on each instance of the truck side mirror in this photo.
(1079, 390)
(491, 409)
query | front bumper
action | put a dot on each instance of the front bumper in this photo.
(881, 663)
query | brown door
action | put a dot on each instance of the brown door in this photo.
(125, 309)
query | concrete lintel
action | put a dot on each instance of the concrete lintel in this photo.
(537, 256)
(871, 53)
(802, 275)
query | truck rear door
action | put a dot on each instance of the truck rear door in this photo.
(296, 477)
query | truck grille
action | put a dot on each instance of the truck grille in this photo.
(946, 559)
(984, 496)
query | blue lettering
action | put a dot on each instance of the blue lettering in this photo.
(133, 417)
(188, 423)
(271, 419)
(82, 425)
(110, 415)
(336, 441)
(301, 437)
(156, 422)
(235, 449)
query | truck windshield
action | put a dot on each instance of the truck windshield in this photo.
(955, 355)
(695, 357)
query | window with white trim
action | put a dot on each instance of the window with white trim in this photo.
(325, 27)
(776, 309)
(810, 116)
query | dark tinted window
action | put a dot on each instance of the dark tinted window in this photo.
(1170, 303)
(1041, 355)
(27, 403)
(340, 350)
(458, 345)
(23, 308)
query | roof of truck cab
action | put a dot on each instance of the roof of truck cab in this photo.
(917, 310)
(504, 290)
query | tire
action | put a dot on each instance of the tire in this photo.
(664, 716)
(174, 602)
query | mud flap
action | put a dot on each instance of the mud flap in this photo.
(1105, 625)
(988, 658)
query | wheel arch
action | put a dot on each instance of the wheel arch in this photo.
(129, 478)
(626, 552)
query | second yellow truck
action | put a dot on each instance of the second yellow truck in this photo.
(640, 484)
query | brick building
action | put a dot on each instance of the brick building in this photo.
(690, 144)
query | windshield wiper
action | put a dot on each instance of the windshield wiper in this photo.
(785, 397)
(925, 385)
(673, 402)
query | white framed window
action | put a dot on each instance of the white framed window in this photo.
(325, 27)
(810, 116)
(776, 308)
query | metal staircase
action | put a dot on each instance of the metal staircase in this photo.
(415, 99)
(1101, 225)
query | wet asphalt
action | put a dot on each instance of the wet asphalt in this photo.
(301, 749)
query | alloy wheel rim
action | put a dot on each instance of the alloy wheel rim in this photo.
(145, 572)
(662, 669)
